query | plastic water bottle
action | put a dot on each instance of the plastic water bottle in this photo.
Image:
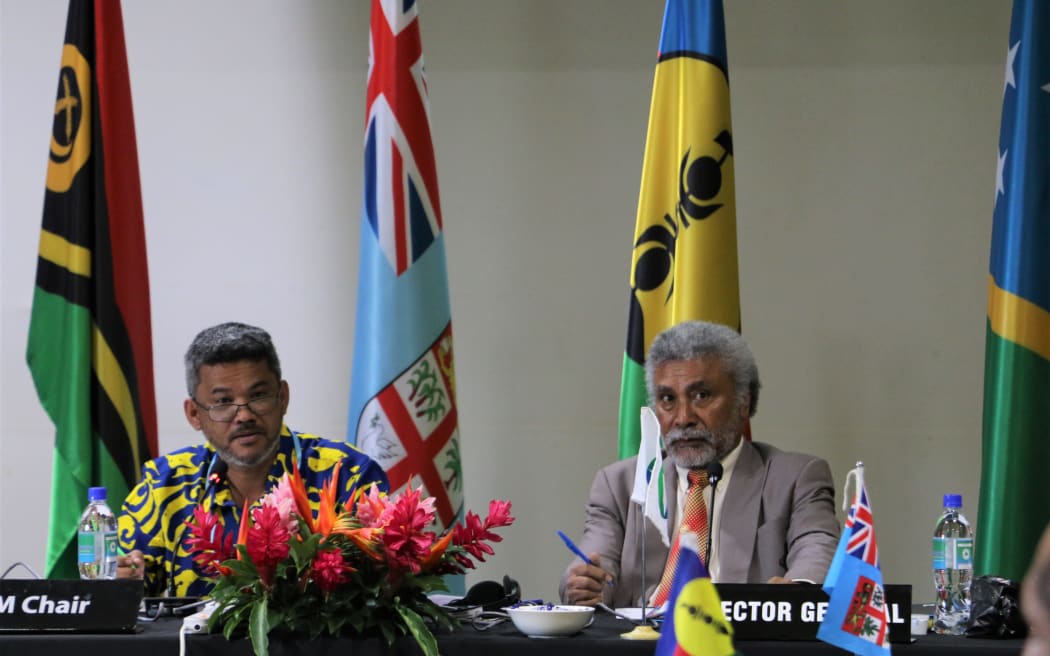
(952, 568)
(97, 538)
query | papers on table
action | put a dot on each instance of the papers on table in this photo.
(635, 614)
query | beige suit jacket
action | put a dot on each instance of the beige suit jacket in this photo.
(778, 519)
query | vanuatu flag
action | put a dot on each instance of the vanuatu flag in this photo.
(403, 392)
(89, 350)
(1013, 507)
(684, 262)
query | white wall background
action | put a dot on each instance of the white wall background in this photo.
(865, 141)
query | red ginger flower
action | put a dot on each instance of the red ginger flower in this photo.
(330, 570)
(406, 543)
(499, 515)
(267, 541)
(473, 532)
(207, 543)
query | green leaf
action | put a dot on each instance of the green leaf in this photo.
(243, 568)
(239, 616)
(427, 641)
(388, 632)
(259, 628)
(303, 552)
(436, 613)
(274, 617)
(335, 623)
(431, 582)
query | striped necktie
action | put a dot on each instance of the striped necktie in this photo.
(694, 518)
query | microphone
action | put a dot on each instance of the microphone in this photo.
(216, 474)
(714, 474)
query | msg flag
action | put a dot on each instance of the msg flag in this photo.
(648, 490)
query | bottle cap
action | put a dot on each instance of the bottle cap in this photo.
(953, 501)
(96, 494)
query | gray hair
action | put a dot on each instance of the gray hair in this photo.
(228, 342)
(694, 339)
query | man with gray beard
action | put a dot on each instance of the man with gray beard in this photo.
(773, 518)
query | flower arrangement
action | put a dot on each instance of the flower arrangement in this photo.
(363, 569)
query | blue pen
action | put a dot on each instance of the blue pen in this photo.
(576, 550)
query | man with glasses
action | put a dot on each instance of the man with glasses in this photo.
(237, 399)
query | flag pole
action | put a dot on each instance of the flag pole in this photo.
(645, 602)
(643, 631)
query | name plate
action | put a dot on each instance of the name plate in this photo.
(760, 611)
(69, 605)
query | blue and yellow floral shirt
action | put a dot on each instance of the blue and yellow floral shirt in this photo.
(153, 518)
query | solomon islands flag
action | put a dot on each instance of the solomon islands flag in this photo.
(1016, 433)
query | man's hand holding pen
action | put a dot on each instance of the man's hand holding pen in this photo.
(587, 583)
(131, 565)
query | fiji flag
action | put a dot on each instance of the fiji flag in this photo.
(403, 394)
(857, 617)
(694, 623)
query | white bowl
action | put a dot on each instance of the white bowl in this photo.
(550, 619)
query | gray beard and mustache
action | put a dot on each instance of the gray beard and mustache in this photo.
(693, 448)
(236, 461)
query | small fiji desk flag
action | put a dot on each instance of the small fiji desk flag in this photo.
(856, 619)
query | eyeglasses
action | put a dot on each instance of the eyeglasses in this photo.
(227, 411)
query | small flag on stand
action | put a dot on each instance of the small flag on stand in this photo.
(856, 619)
(90, 349)
(403, 389)
(648, 491)
(693, 622)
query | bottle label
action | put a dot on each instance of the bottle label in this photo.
(963, 553)
(85, 547)
(112, 546)
(953, 553)
(938, 553)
